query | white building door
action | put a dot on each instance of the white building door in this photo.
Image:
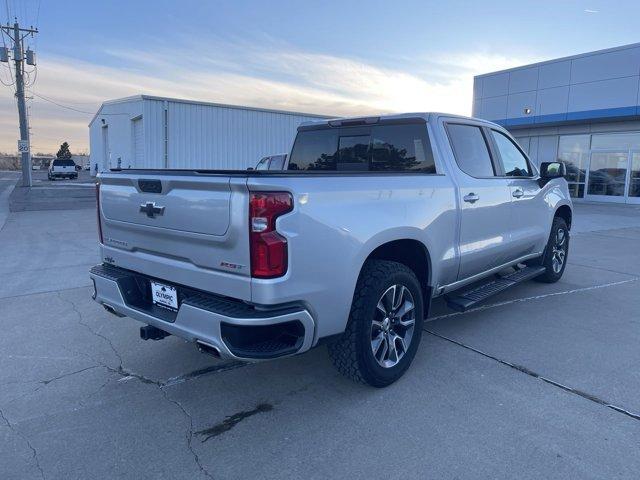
(105, 149)
(138, 142)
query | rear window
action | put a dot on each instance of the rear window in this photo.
(63, 163)
(389, 148)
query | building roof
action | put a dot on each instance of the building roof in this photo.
(142, 97)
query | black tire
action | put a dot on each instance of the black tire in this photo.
(550, 257)
(352, 353)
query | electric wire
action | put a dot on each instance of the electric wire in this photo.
(12, 82)
(61, 105)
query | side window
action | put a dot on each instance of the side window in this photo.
(513, 161)
(400, 148)
(470, 150)
(263, 164)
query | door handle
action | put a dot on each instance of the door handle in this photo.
(471, 198)
(518, 193)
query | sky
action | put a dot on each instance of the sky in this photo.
(328, 57)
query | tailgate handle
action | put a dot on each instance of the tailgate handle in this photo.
(150, 186)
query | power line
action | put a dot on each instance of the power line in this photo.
(12, 81)
(60, 104)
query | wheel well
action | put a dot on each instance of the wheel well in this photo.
(411, 253)
(564, 212)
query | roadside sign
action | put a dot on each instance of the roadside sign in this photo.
(23, 146)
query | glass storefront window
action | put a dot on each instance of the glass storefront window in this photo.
(573, 150)
(634, 181)
(616, 141)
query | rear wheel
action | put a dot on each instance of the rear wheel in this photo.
(555, 253)
(384, 327)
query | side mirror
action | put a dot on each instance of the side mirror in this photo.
(551, 170)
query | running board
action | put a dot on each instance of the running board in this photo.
(463, 300)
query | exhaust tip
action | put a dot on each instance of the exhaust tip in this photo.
(112, 310)
(208, 349)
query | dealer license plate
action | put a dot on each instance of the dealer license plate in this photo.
(164, 295)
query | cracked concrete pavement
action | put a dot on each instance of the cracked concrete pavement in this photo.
(81, 396)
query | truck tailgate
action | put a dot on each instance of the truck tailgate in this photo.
(183, 227)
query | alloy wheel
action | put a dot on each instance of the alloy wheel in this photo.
(392, 326)
(559, 250)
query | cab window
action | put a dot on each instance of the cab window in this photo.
(513, 161)
(470, 150)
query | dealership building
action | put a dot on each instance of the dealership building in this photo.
(583, 110)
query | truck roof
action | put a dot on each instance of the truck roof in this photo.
(426, 116)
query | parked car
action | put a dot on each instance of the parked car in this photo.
(273, 162)
(60, 168)
(373, 218)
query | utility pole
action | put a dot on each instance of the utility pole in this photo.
(18, 57)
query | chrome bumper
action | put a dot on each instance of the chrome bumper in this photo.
(196, 323)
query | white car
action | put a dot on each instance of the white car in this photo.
(60, 168)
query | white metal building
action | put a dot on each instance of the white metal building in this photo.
(154, 132)
(584, 110)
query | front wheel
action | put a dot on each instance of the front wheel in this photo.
(556, 252)
(384, 327)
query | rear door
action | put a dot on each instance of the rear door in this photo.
(529, 211)
(485, 200)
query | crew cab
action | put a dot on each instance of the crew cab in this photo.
(62, 168)
(371, 219)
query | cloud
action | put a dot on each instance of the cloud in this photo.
(270, 75)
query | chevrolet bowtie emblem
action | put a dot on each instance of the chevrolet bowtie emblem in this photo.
(151, 209)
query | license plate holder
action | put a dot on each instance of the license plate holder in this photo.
(164, 296)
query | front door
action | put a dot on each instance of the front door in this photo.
(529, 211)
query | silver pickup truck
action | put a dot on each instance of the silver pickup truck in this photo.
(371, 220)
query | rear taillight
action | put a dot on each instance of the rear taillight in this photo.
(268, 247)
(98, 212)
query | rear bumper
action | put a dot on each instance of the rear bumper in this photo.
(237, 330)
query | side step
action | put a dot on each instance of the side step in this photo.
(463, 300)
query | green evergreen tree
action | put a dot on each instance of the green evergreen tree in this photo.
(64, 153)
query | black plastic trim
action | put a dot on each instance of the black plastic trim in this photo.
(135, 290)
(263, 341)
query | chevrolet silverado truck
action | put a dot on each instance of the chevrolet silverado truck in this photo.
(371, 219)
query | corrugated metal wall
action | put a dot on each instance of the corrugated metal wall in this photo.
(197, 135)
(205, 136)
